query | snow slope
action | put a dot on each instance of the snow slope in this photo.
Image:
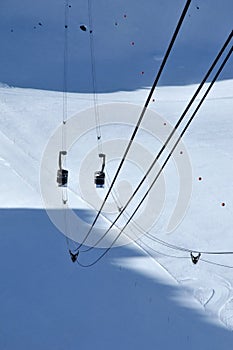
(129, 38)
(141, 295)
(49, 303)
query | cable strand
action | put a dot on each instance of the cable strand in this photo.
(168, 51)
(164, 164)
(169, 138)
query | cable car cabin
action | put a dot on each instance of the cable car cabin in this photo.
(99, 179)
(62, 177)
(62, 174)
(99, 176)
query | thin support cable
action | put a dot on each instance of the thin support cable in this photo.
(168, 51)
(168, 139)
(64, 113)
(180, 137)
(94, 81)
(174, 147)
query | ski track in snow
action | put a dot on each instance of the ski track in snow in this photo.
(215, 293)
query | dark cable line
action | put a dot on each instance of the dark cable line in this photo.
(216, 264)
(183, 249)
(184, 130)
(64, 115)
(181, 135)
(141, 116)
(161, 242)
(65, 64)
(168, 139)
(94, 83)
(181, 257)
(94, 87)
(93, 71)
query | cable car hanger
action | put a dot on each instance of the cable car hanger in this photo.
(195, 258)
(73, 256)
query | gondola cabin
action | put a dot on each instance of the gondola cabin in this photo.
(99, 179)
(62, 177)
(99, 176)
(62, 174)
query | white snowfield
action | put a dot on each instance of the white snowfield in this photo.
(197, 310)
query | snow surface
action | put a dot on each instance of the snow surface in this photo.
(32, 42)
(143, 294)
